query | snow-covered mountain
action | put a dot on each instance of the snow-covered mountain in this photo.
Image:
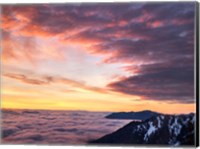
(173, 130)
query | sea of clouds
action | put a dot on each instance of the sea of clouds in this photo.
(55, 127)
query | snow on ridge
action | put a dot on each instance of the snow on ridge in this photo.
(176, 144)
(151, 130)
(188, 118)
(170, 120)
(143, 126)
(186, 121)
(175, 127)
(162, 117)
(193, 119)
(159, 122)
(138, 128)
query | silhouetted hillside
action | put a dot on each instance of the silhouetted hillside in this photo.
(172, 130)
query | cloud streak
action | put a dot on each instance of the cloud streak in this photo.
(154, 40)
(48, 80)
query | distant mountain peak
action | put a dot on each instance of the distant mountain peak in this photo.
(140, 115)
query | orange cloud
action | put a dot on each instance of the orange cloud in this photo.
(31, 30)
(18, 50)
(101, 34)
(155, 24)
(14, 18)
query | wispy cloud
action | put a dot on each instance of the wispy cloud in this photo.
(154, 40)
(25, 79)
(48, 80)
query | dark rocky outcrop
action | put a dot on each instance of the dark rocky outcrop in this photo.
(174, 130)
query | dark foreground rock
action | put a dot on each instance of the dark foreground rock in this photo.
(173, 130)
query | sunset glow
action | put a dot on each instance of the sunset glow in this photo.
(116, 57)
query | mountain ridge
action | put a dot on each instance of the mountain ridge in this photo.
(140, 115)
(174, 130)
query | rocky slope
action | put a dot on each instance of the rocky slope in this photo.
(173, 130)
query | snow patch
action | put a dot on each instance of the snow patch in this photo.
(138, 128)
(151, 130)
(143, 126)
(159, 122)
(162, 117)
(177, 143)
(193, 119)
(170, 120)
(186, 121)
(175, 127)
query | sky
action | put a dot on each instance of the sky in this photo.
(99, 57)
